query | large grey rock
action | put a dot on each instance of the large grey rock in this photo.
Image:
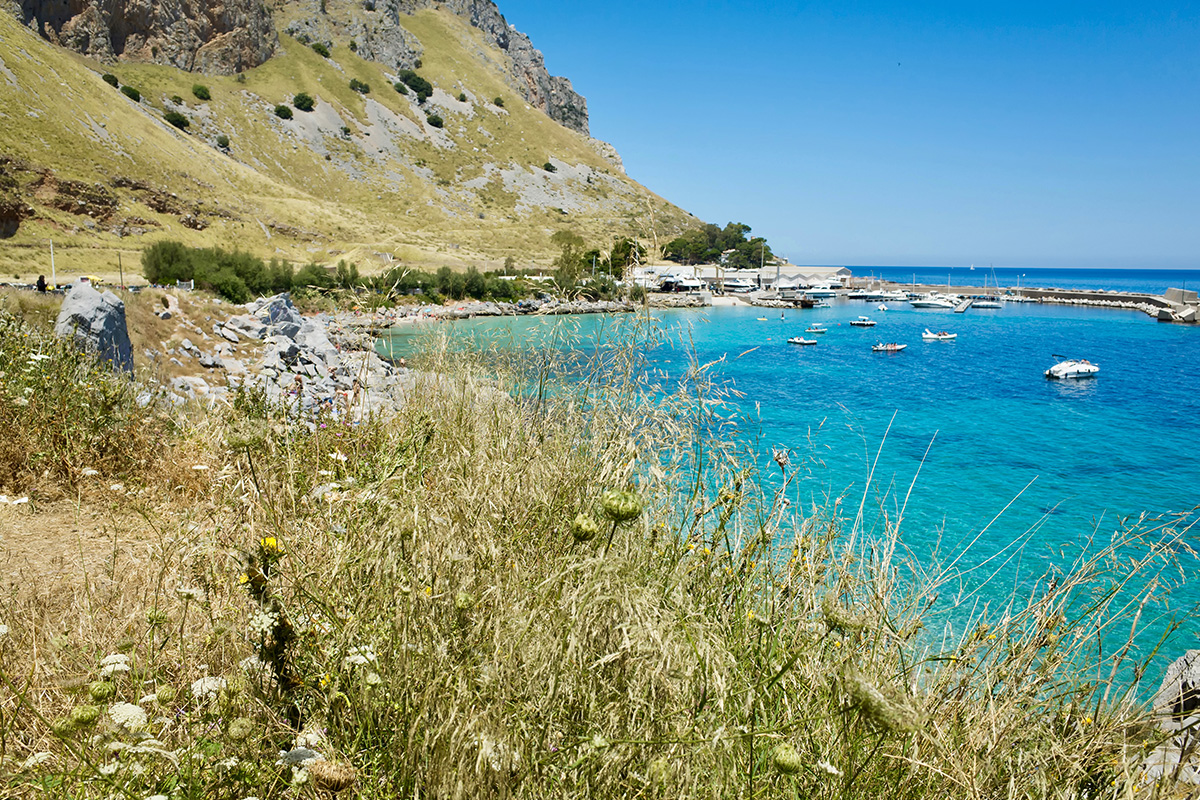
(249, 326)
(273, 310)
(96, 323)
(1177, 703)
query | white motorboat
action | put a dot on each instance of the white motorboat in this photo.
(938, 336)
(890, 347)
(986, 303)
(932, 301)
(816, 327)
(863, 322)
(1073, 368)
(882, 307)
(821, 304)
(801, 340)
(821, 291)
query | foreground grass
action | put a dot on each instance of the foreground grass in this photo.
(523, 587)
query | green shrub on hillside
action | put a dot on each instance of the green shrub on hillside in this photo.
(421, 87)
(177, 119)
(400, 87)
(283, 111)
(549, 167)
(359, 86)
(176, 100)
(110, 79)
(320, 49)
(200, 92)
(462, 97)
(434, 120)
(304, 102)
(223, 141)
(499, 101)
(236, 276)
(132, 93)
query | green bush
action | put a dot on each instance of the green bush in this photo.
(549, 167)
(320, 49)
(132, 93)
(346, 130)
(200, 92)
(110, 79)
(499, 101)
(236, 276)
(177, 119)
(353, 46)
(462, 97)
(434, 120)
(176, 99)
(400, 87)
(421, 87)
(304, 102)
(359, 86)
(223, 142)
(283, 112)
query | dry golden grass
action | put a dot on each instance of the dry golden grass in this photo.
(452, 602)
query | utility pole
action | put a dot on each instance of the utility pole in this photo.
(53, 276)
(121, 269)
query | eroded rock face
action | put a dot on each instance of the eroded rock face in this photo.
(221, 38)
(376, 29)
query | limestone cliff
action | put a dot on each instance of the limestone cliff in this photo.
(215, 37)
(376, 28)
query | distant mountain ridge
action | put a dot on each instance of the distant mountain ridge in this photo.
(229, 37)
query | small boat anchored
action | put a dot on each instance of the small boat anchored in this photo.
(863, 322)
(801, 340)
(1072, 368)
(939, 336)
(816, 327)
(890, 347)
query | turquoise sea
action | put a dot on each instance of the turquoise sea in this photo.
(975, 417)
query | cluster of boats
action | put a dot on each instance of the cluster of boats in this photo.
(1065, 369)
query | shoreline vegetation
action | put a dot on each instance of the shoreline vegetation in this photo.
(547, 578)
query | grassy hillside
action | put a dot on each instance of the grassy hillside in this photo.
(362, 176)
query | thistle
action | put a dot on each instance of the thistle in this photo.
(786, 759)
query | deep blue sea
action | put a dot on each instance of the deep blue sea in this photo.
(976, 417)
(1149, 281)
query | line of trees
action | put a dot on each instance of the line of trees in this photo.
(731, 246)
(575, 261)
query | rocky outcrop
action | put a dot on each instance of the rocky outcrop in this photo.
(96, 323)
(377, 31)
(219, 38)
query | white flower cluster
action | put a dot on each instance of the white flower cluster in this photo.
(3, 630)
(128, 716)
(263, 622)
(114, 664)
(206, 689)
(359, 655)
(498, 755)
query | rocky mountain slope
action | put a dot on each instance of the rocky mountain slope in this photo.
(475, 173)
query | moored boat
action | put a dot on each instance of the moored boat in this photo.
(889, 347)
(816, 327)
(801, 340)
(933, 300)
(938, 336)
(863, 322)
(1073, 368)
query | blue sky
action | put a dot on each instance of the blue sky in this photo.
(1019, 134)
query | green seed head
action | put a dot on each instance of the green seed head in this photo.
(584, 528)
(883, 707)
(62, 727)
(240, 729)
(620, 506)
(786, 759)
(838, 617)
(83, 716)
(464, 601)
(660, 771)
(101, 691)
(164, 695)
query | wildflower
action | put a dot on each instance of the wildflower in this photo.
(109, 769)
(338, 455)
(200, 467)
(826, 767)
(190, 594)
(115, 664)
(270, 546)
(781, 457)
(428, 591)
(464, 601)
(89, 472)
(331, 777)
(35, 759)
(263, 622)
(584, 528)
(786, 759)
(359, 655)
(373, 679)
(128, 716)
(206, 689)
(620, 506)
(158, 797)
(164, 695)
(660, 771)
(3, 630)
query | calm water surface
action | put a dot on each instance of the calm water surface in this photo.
(1086, 453)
